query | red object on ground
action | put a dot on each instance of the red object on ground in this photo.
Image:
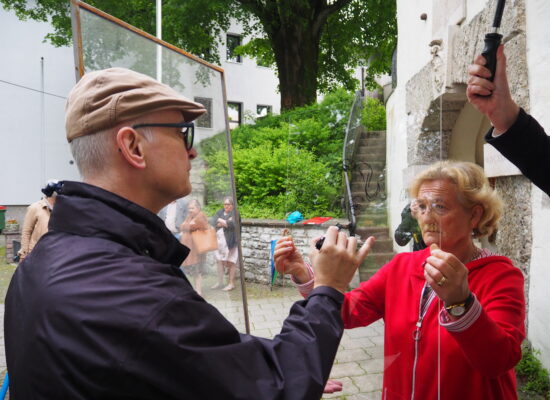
(316, 220)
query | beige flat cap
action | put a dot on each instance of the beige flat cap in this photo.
(103, 99)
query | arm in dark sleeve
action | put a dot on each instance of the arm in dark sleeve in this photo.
(191, 351)
(527, 146)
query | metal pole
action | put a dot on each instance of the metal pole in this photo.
(42, 125)
(159, 36)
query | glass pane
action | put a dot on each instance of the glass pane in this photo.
(106, 44)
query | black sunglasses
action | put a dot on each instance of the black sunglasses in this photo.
(187, 130)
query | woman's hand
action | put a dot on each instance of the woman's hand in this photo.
(447, 276)
(288, 260)
(220, 223)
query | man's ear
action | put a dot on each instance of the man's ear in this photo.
(131, 147)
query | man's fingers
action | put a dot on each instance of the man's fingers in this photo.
(475, 90)
(480, 60)
(352, 243)
(365, 249)
(478, 70)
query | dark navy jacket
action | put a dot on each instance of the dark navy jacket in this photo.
(527, 146)
(100, 310)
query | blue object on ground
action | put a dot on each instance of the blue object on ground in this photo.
(5, 386)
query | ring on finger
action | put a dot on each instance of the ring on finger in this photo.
(441, 281)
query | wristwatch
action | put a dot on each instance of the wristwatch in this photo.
(459, 309)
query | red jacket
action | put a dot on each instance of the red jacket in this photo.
(476, 363)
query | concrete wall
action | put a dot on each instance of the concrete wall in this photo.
(538, 61)
(34, 148)
(429, 119)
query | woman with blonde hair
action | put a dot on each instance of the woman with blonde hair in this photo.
(454, 313)
(194, 264)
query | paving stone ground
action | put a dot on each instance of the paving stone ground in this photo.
(360, 359)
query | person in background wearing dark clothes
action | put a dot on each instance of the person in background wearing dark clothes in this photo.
(103, 311)
(226, 255)
(408, 229)
(516, 134)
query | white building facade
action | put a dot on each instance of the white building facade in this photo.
(35, 79)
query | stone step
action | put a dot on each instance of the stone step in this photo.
(371, 152)
(373, 263)
(381, 134)
(371, 142)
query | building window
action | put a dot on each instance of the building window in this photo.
(205, 120)
(232, 42)
(262, 110)
(234, 111)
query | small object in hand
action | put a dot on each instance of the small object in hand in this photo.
(320, 242)
(286, 232)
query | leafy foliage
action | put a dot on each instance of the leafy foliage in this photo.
(286, 162)
(373, 115)
(533, 377)
(315, 45)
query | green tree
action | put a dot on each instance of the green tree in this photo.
(315, 44)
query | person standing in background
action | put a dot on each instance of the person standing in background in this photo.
(226, 256)
(36, 219)
(194, 263)
(173, 215)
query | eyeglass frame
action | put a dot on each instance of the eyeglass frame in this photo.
(432, 206)
(186, 135)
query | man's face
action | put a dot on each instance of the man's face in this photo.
(168, 161)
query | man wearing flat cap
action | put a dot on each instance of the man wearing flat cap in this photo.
(100, 309)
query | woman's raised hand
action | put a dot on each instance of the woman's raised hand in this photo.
(288, 260)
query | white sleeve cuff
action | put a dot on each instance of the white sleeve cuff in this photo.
(464, 322)
(305, 288)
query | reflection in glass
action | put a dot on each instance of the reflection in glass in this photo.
(107, 44)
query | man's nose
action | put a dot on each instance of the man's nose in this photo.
(192, 153)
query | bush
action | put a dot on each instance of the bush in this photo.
(284, 162)
(532, 376)
(373, 115)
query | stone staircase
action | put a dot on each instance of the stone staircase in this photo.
(369, 198)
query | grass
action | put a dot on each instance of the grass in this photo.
(6, 271)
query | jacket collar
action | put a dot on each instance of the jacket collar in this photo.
(87, 210)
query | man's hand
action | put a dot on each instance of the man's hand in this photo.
(338, 259)
(492, 98)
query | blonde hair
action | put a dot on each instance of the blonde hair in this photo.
(473, 188)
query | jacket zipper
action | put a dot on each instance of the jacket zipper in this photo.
(416, 337)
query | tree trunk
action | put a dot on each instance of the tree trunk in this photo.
(297, 55)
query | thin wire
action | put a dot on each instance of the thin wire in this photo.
(287, 224)
(34, 90)
(440, 239)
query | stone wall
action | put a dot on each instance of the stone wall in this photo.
(256, 236)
